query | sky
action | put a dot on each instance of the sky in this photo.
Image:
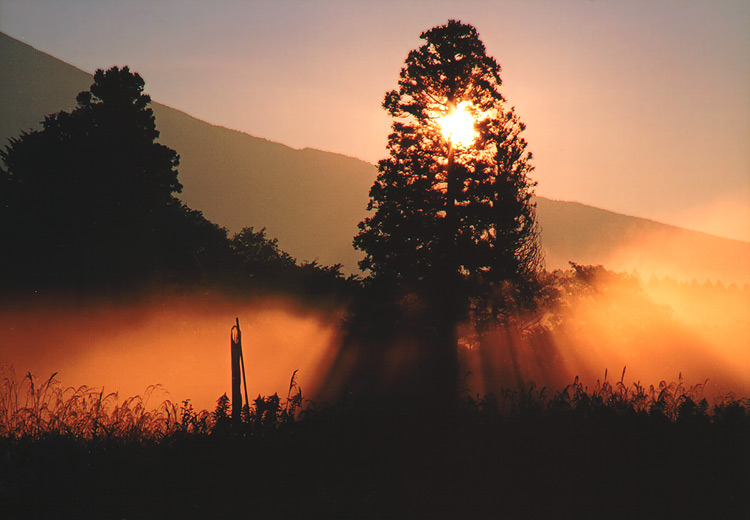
(639, 106)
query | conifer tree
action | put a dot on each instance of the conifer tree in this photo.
(452, 216)
(89, 198)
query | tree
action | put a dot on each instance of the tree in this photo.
(260, 255)
(450, 211)
(453, 221)
(89, 198)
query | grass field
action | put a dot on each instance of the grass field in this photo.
(612, 451)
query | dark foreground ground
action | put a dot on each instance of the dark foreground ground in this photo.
(350, 463)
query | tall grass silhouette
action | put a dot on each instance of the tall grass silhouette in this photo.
(527, 452)
(668, 401)
(34, 409)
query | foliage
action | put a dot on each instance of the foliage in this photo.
(259, 254)
(30, 409)
(618, 403)
(221, 415)
(259, 262)
(89, 199)
(89, 202)
(442, 211)
(34, 409)
(537, 454)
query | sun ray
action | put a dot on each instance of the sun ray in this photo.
(458, 126)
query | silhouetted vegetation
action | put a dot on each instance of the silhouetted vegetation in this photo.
(523, 453)
(88, 200)
(453, 224)
(442, 210)
(88, 203)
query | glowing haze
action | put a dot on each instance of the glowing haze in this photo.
(180, 342)
(458, 125)
(659, 330)
(638, 107)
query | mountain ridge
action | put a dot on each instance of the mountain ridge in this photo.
(312, 200)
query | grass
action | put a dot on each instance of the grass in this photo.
(30, 409)
(673, 402)
(621, 450)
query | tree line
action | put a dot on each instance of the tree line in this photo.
(90, 201)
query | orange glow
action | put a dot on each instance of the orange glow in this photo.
(660, 331)
(675, 254)
(180, 342)
(458, 125)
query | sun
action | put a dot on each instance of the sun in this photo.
(458, 126)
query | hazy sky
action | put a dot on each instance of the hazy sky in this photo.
(641, 107)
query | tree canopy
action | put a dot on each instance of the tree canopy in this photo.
(443, 210)
(89, 202)
(89, 198)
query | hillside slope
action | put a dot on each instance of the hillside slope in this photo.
(312, 200)
(586, 235)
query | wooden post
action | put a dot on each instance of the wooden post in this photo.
(236, 344)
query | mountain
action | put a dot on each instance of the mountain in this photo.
(312, 200)
(586, 235)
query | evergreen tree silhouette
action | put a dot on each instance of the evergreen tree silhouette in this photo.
(89, 199)
(452, 223)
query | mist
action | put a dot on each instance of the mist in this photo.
(178, 341)
(592, 325)
(660, 329)
(612, 325)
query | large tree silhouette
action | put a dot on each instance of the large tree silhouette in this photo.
(89, 198)
(453, 220)
(436, 202)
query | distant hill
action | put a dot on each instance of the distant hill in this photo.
(586, 235)
(312, 200)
